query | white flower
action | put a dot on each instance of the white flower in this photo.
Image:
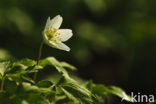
(53, 36)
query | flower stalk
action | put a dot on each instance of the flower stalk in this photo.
(38, 59)
(40, 52)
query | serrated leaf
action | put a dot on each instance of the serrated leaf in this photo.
(32, 69)
(103, 90)
(17, 68)
(51, 96)
(29, 87)
(66, 65)
(89, 85)
(28, 62)
(75, 91)
(27, 79)
(45, 92)
(28, 65)
(19, 77)
(44, 84)
(49, 61)
(62, 100)
(55, 63)
(19, 71)
(5, 66)
(119, 92)
(25, 66)
(35, 98)
(100, 90)
(70, 87)
(70, 96)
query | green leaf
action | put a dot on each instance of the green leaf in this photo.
(102, 90)
(35, 98)
(5, 66)
(17, 68)
(28, 62)
(32, 69)
(44, 84)
(55, 63)
(89, 85)
(48, 93)
(63, 100)
(73, 90)
(49, 61)
(29, 65)
(70, 96)
(60, 66)
(66, 65)
(33, 88)
(51, 96)
(76, 92)
(29, 87)
(19, 77)
(27, 79)
(25, 66)
(119, 92)
(19, 71)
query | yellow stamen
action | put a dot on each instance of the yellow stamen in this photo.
(53, 35)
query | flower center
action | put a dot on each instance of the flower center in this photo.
(53, 35)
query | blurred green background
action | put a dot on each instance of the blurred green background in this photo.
(113, 42)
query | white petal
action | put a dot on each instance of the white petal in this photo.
(51, 44)
(47, 23)
(62, 46)
(56, 22)
(65, 34)
(45, 38)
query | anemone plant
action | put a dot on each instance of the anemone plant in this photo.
(19, 84)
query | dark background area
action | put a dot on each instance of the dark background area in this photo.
(113, 42)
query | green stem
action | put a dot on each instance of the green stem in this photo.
(40, 52)
(2, 83)
(38, 59)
